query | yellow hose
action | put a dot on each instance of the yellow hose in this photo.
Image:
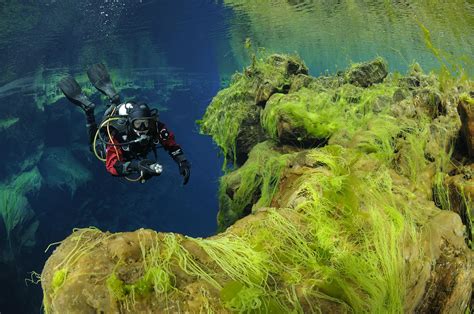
(107, 121)
(97, 134)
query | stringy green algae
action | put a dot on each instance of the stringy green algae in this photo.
(232, 105)
(342, 243)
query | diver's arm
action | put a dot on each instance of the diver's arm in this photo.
(166, 138)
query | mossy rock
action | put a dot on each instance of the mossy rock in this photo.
(232, 116)
(297, 119)
(300, 81)
(241, 189)
(429, 99)
(250, 134)
(466, 113)
(368, 73)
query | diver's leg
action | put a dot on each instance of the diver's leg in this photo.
(91, 126)
(73, 92)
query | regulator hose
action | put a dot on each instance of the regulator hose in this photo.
(106, 122)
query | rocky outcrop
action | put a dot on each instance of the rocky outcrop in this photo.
(345, 204)
(466, 111)
(239, 106)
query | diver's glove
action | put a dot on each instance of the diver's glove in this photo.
(184, 167)
(146, 168)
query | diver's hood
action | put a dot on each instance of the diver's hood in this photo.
(139, 113)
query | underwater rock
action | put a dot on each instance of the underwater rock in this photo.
(274, 76)
(430, 100)
(237, 106)
(294, 119)
(459, 189)
(400, 94)
(365, 222)
(300, 81)
(368, 73)
(241, 190)
(466, 113)
(250, 134)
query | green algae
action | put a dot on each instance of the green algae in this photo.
(364, 206)
(154, 280)
(231, 106)
(7, 123)
(59, 278)
(253, 184)
(17, 216)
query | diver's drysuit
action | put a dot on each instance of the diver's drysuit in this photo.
(128, 132)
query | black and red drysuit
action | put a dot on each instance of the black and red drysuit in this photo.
(118, 160)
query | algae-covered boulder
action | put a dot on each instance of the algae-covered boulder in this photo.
(466, 111)
(238, 106)
(251, 185)
(349, 202)
(368, 73)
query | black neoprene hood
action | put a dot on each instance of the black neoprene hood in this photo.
(139, 111)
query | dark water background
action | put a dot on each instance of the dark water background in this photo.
(176, 55)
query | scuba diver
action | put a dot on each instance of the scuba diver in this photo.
(129, 131)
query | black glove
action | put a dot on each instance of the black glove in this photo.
(184, 170)
(183, 164)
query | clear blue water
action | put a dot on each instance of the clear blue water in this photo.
(176, 55)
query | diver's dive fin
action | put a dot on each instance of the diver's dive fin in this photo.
(100, 78)
(73, 92)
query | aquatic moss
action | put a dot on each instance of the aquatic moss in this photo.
(232, 105)
(253, 184)
(309, 114)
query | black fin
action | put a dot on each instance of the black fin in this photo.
(100, 78)
(73, 92)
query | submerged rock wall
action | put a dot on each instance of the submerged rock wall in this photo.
(348, 193)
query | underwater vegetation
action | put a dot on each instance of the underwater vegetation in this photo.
(351, 31)
(18, 221)
(343, 193)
